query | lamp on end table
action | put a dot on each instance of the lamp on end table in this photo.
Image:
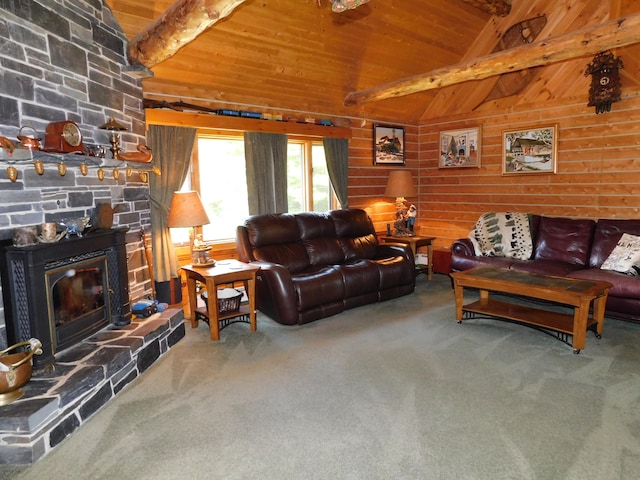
(187, 211)
(400, 185)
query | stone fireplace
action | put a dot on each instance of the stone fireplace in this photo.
(66, 60)
(63, 61)
(62, 293)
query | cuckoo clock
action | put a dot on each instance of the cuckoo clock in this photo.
(605, 81)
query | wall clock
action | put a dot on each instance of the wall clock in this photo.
(605, 81)
(63, 137)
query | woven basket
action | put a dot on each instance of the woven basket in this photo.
(228, 300)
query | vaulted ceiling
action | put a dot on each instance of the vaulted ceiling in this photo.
(300, 56)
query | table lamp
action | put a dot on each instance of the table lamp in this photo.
(187, 211)
(400, 185)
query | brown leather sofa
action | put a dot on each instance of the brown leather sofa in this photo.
(313, 265)
(573, 248)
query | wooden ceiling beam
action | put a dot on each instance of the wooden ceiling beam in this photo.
(499, 8)
(586, 41)
(181, 23)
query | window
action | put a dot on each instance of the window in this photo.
(218, 173)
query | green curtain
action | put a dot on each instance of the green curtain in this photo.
(266, 159)
(336, 152)
(171, 147)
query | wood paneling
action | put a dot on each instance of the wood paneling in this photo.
(293, 55)
(598, 174)
(290, 56)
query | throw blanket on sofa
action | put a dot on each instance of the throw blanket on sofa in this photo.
(505, 234)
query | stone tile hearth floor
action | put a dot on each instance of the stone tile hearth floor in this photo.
(83, 379)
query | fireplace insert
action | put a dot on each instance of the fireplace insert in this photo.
(61, 293)
(76, 300)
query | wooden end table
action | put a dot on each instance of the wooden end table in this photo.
(224, 271)
(574, 292)
(415, 242)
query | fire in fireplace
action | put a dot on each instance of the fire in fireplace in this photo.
(76, 300)
(63, 292)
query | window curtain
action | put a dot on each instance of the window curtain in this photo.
(171, 147)
(336, 152)
(266, 159)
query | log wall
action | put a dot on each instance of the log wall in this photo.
(598, 168)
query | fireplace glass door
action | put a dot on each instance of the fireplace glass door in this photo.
(76, 300)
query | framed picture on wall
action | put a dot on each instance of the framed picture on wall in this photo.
(460, 148)
(530, 150)
(388, 145)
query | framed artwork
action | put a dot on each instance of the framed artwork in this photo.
(460, 148)
(530, 150)
(388, 145)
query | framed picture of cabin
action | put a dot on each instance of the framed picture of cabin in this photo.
(460, 148)
(388, 145)
(530, 150)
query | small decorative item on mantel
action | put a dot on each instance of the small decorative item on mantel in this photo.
(75, 226)
(104, 215)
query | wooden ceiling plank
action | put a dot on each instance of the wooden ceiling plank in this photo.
(587, 41)
(181, 23)
(500, 8)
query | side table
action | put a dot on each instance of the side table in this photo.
(224, 271)
(415, 242)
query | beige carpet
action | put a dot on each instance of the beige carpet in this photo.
(396, 390)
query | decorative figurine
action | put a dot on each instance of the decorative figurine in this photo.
(412, 213)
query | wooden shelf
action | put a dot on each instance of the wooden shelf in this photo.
(561, 322)
(243, 310)
(222, 122)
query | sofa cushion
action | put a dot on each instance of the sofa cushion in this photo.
(625, 257)
(606, 236)
(352, 223)
(317, 286)
(360, 277)
(359, 247)
(319, 238)
(564, 240)
(356, 233)
(315, 225)
(624, 286)
(292, 256)
(271, 229)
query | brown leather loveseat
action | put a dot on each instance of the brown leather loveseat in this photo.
(313, 265)
(568, 247)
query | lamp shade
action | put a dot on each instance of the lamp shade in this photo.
(186, 211)
(400, 184)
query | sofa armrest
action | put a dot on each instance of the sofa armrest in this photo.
(463, 247)
(394, 249)
(275, 294)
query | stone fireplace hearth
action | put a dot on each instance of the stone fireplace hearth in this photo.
(84, 379)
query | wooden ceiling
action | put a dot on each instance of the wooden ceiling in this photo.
(299, 56)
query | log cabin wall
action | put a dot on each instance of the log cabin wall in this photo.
(598, 168)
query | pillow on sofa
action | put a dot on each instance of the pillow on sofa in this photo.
(503, 234)
(625, 257)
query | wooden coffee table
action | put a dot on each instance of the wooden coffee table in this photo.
(574, 292)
